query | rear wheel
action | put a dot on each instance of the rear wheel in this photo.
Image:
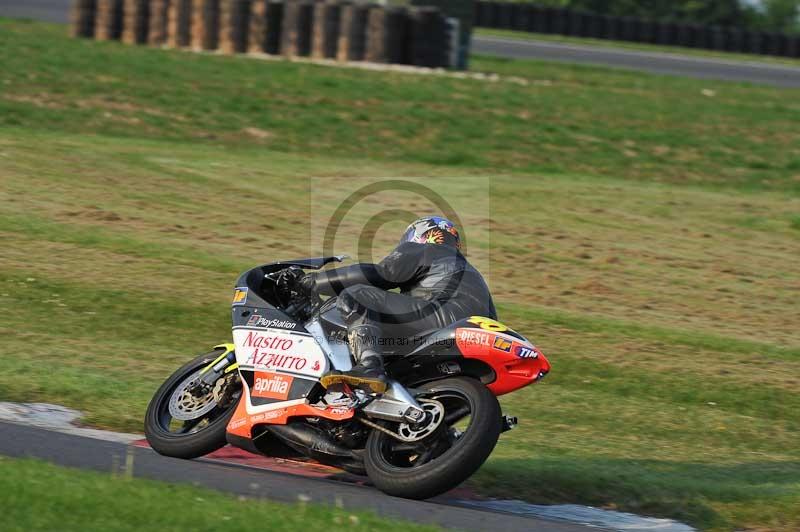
(183, 422)
(448, 456)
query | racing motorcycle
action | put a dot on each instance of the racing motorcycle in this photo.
(433, 427)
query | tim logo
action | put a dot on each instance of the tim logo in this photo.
(502, 344)
(526, 352)
(271, 385)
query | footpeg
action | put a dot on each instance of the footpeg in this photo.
(391, 409)
(509, 422)
(397, 404)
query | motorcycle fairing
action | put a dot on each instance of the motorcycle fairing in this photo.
(279, 362)
(277, 350)
(253, 288)
(516, 362)
(277, 365)
(253, 411)
(245, 417)
(481, 347)
(263, 317)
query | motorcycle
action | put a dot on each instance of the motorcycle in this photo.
(434, 426)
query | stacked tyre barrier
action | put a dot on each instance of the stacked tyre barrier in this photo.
(83, 18)
(352, 32)
(108, 20)
(460, 15)
(561, 21)
(205, 24)
(234, 22)
(325, 36)
(179, 23)
(158, 22)
(297, 26)
(420, 36)
(135, 21)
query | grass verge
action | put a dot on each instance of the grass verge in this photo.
(552, 118)
(82, 501)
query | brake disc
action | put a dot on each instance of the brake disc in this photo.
(435, 416)
(184, 406)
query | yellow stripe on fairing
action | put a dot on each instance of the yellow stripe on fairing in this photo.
(227, 347)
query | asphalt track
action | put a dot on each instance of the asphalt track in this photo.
(46, 10)
(111, 456)
(653, 62)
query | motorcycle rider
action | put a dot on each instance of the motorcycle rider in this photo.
(437, 288)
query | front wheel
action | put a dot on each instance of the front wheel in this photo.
(185, 422)
(448, 456)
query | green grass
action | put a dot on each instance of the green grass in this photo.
(641, 47)
(42, 497)
(643, 234)
(556, 119)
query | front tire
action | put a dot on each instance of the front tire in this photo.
(193, 437)
(453, 455)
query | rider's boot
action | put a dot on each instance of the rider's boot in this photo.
(368, 373)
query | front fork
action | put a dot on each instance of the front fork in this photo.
(222, 365)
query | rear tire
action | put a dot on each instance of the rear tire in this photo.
(457, 463)
(194, 444)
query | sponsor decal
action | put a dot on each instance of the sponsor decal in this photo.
(266, 341)
(487, 324)
(266, 416)
(338, 410)
(278, 350)
(257, 320)
(526, 352)
(502, 344)
(276, 361)
(270, 352)
(474, 337)
(274, 414)
(240, 295)
(271, 385)
(236, 424)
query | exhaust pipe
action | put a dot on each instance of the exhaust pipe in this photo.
(306, 439)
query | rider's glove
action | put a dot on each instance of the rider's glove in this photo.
(306, 284)
(287, 281)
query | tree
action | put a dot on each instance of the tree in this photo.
(773, 15)
(782, 15)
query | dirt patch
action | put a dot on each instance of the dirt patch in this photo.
(95, 213)
(257, 133)
(43, 100)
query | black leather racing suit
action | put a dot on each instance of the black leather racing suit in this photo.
(437, 288)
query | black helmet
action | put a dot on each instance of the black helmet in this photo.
(432, 230)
